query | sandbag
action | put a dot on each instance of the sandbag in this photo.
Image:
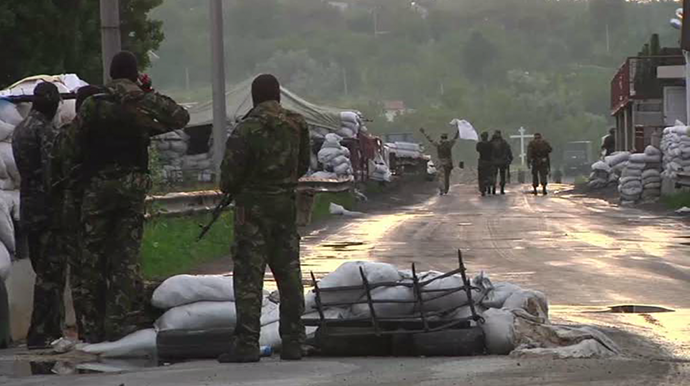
(5, 262)
(650, 173)
(625, 180)
(499, 331)
(637, 158)
(534, 302)
(138, 344)
(498, 293)
(603, 166)
(8, 158)
(6, 130)
(9, 113)
(11, 198)
(349, 116)
(387, 309)
(635, 165)
(343, 169)
(346, 132)
(6, 226)
(652, 185)
(185, 289)
(339, 160)
(628, 172)
(328, 154)
(198, 316)
(347, 274)
(454, 299)
(652, 159)
(651, 150)
(616, 158)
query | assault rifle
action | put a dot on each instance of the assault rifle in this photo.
(224, 203)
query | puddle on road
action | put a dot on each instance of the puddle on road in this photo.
(342, 245)
(637, 309)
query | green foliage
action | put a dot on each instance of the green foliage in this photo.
(156, 169)
(169, 245)
(49, 37)
(677, 200)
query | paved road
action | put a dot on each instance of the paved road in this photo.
(583, 253)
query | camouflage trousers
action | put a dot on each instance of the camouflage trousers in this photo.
(540, 173)
(266, 235)
(485, 175)
(446, 169)
(49, 262)
(107, 286)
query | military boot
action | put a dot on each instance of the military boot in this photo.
(535, 191)
(241, 354)
(503, 190)
(544, 191)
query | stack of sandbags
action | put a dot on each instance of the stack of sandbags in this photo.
(617, 161)
(630, 183)
(600, 176)
(406, 150)
(651, 174)
(675, 145)
(351, 124)
(379, 170)
(334, 157)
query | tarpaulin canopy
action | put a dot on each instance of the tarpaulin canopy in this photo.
(239, 101)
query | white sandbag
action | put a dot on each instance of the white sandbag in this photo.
(11, 198)
(637, 158)
(616, 158)
(339, 160)
(339, 210)
(8, 158)
(498, 293)
(652, 185)
(178, 146)
(534, 302)
(347, 274)
(346, 133)
(628, 172)
(652, 159)
(635, 165)
(327, 154)
(650, 173)
(651, 180)
(343, 169)
(185, 289)
(603, 166)
(139, 344)
(454, 299)
(499, 331)
(349, 116)
(324, 175)
(6, 226)
(198, 316)
(6, 130)
(9, 113)
(588, 348)
(387, 309)
(7, 184)
(651, 150)
(625, 180)
(66, 112)
(5, 262)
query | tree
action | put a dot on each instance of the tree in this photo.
(53, 37)
(477, 55)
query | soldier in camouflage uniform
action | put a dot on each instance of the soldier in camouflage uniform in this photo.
(32, 143)
(444, 150)
(502, 157)
(538, 159)
(265, 156)
(113, 130)
(485, 167)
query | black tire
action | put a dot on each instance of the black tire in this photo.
(461, 342)
(193, 344)
(362, 343)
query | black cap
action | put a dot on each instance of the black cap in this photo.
(265, 88)
(47, 99)
(124, 66)
(84, 92)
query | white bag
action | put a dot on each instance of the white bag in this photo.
(498, 293)
(534, 302)
(650, 173)
(9, 113)
(343, 169)
(136, 345)
(616, 158)
(499, 331)
(603, 166)
(185, 289)
(349, 116)
(651, 150)
(454, 299)
(8, 158)
(198, 316)
(387, 309)
(348, 275)
(5, 262)
(6, 226)
(6, 130)
(652, 185)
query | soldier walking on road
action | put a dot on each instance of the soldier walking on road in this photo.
(538, 159)
(264, 158)
(485, 164)
(502, 157)
(32, 143)
(114, 130)
(444, 150)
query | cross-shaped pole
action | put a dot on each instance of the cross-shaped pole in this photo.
(522, 136)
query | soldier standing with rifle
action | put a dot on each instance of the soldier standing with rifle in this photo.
(114, 129)
(538, 159)
(265, 156)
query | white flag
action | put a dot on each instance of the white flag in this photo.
(465, 129)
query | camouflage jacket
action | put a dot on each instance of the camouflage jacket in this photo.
(33, 141)
(444, 149)
(267, 152)
(538, 152)
(502, 154)
(112, 131)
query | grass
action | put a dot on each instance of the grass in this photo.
(322, 202)
(169, 245)
(676, 200)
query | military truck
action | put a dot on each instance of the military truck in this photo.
(577, 158)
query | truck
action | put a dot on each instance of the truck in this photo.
(577, 157)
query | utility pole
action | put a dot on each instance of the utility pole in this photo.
(110, 34)
(218, 83)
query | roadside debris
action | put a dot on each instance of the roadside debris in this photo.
(341, 211)
(683, 210)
